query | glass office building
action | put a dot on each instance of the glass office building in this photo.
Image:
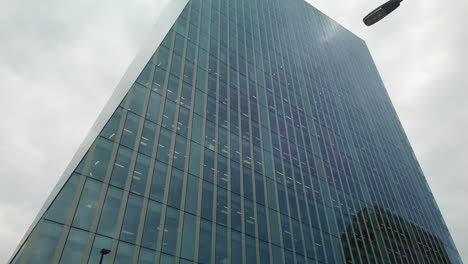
(247, 131)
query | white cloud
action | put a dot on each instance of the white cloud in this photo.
(60, 63)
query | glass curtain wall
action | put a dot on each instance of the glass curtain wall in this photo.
(259, 132)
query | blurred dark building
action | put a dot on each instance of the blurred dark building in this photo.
(382, 237)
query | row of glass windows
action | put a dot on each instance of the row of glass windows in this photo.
(165, 50)
(132, 220)
(212, 136)
(265, 192)
(243, 249)
(208, 172)
(119, 165)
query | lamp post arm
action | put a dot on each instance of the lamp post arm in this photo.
(380, 12)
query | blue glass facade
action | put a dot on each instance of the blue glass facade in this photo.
(259, 132)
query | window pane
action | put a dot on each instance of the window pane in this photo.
(235, 150)
(191, 48)
(271, 194)
(235, 177)
(176, 64)
(60, 208)
(130, 130)
(212, 87)
(158, 183)
(96, 160)
(210, 135)
(249, 217)
(204, 251)
(140, 174)
(147, 138)
(221, 207)
(287, 243)
(236, 212)
(221, 244)
(236, 247)
(191, 198)
(195, 159)
(111, 128)
(147, 256)
(159, 79)
(186, 94)
(167, 41)
(259, 188)
(132, 218)
(264, 252)
(152, 225)
(197, 129)
(223, 141)
(49, 234)
(288, 256)
(154, 107)
(75, 246)
(162, 57)
(86, 210)
(168, 116)
(223, 174)
(164, 145)
(110, 212)
(247, 180)
(250, 250)
(262, 226)
(121, 167)
(274, 227)
(167, 259)
(171, 231)
(277, 255)
(208, 166)
(299, 248)
(137, 98)
(199, 102)
(180, 152)
(124, 253)
(188, 236)
(144, 77)
(100, 242)
(179, 43)
(201, 73)
(211, 109)
(183, 122)
(175, 189)
(207, 201)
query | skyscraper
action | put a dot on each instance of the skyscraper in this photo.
(248, 131)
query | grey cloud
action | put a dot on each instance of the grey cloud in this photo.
(60, 61)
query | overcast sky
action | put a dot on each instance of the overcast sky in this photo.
(61, 59)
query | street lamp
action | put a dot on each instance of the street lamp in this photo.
(381, 12)
(104, 251)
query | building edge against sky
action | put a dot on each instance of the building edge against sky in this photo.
(332, 196)
(163, 23)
